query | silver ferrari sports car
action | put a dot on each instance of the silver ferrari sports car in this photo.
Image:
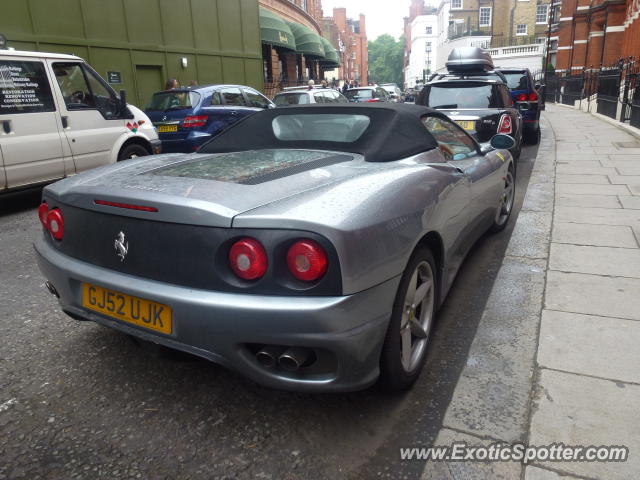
(306, 247)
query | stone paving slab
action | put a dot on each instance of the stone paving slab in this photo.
(573, 169)
(582, 179)
(593, 294)
(576, 200)
(624, 179)
(630, 202)
(469, 470)
(596, 235)
(598, 216)
(530, 237)
(618, 262)
(629, 168)
(575, 343)
(579, 410)
(564, 188)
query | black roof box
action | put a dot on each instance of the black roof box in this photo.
(469, 59)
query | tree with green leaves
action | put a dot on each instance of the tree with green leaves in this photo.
(386, 60)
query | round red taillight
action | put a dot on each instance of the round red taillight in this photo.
(55, 223)
(248, 259)
(43, 210)
(307, 260)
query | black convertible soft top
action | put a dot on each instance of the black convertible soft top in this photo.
(395, 131)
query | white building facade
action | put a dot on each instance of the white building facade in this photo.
(424, 49)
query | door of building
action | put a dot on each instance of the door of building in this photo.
(148, 81)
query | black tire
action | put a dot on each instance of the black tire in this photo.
(133, 150)
(501, 218)
(532, 137)
(393, 375)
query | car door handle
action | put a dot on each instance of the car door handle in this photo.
(65, 121)
(6, 126)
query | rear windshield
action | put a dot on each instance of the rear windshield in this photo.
(359, 94)
(299, 98)
(251, 167)
(463, 96)
(173, 100)
(346, 128)
(517, 80)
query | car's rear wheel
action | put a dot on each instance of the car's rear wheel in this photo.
(407, 340)
(133, 150)
(505, 205)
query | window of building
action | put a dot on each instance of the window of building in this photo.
(521, 29)
(429, 31)
(484, 16)
(542, 12)
(541, 39)
(456, 4)
(427, 47)
(303, 5)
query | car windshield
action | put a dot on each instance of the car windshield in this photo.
(462, 96)
(298, 98)
(354, 94)
(173, 100)
(516, 80)
(346, 128)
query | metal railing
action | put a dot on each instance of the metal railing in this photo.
(614, 88)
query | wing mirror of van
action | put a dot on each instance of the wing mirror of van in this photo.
(502, 141)
(124, 110)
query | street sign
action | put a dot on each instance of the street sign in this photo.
(114, 77)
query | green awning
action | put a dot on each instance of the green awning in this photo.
(275, 31)
(332, 59)
(307, 41)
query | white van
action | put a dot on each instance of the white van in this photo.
(58, 117)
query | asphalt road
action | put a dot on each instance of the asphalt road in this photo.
(81, 401)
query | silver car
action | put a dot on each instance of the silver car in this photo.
(304, 96)
(306, 247)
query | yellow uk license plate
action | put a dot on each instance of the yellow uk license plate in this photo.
(167, 128)
(141, 312)
(467, 124)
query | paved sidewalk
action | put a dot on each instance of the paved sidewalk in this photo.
(556, 358)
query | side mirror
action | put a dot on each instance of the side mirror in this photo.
(271, 106)
(537, 86)
(502, 141)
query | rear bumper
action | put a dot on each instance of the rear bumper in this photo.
(347, 331)
(189, 144)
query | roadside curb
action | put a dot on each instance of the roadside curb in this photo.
(494, 396)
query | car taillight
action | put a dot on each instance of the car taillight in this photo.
(194, 121)
(43, 210)
(533, 97)
(372, 100)
(248, 259)
(505, 124)
(521, 97)
(307, 260)
(55, 223)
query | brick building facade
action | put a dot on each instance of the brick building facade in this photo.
(350, 38)
(597, 33)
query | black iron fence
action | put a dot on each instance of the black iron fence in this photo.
(615, 89)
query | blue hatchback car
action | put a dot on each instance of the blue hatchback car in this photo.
(524, 93)
(185, 118)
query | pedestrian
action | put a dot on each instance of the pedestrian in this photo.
(345, 87)
(311, 83)
(324, 84)
(171, 84)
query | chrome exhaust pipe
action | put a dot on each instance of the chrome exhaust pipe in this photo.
(293, 358)
(268, 355)
(52, 289)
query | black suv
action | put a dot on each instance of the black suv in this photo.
(525, 92)
(475, 97)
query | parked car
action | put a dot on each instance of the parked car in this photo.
(306, 96)
(367, 94)
(526, 93)
(185, 118)
(58, 117)
(481, 105)
(394, 92)
(263, 253)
